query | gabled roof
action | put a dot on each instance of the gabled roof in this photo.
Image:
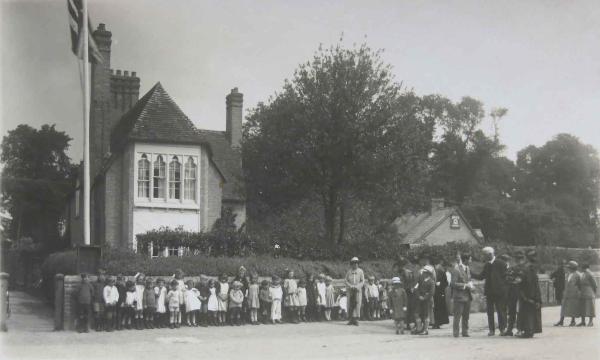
(227, 160)
(414, 228)
(156, 118)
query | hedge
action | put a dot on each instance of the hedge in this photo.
(127, 262)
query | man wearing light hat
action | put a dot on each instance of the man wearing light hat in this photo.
(355, 280)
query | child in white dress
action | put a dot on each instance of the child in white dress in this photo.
(321, 286)
(223, 299)
(253, 299)
(192, 303)
(139, 300)
(329, 297)
(173, 297)
(275, 295)
(213, 303)
(302, 300)
(179, 274)
(160, 292)
(342, 302)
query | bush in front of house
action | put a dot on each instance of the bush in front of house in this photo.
(117, 261)
(64, 262)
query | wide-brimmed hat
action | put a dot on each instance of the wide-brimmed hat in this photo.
(572, 265)
(396, 280)
(354, 260)
(429, 269)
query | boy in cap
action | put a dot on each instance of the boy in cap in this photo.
(84, 303)
(398, 301)
(98, 305)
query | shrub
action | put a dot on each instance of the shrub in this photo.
(128, 263)
(64, 262)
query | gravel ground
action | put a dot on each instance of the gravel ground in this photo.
(30, 337)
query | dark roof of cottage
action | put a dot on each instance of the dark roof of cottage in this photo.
(414, 228)
(157, 118)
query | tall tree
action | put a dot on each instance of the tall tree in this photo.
(330, 132)
(564, 173)
(36, 180)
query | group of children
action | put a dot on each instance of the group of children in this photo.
(118, 303)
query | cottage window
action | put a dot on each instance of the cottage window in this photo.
(174, 251)
(174, 179)
(143, 177)
(158, 191)
(189, 180)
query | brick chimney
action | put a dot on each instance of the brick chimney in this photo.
(100, 80)
(124, 92)
(112, 95)
(437, 204)
(234, 103)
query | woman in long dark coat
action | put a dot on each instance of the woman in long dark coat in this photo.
(530, 299)
(440, 310)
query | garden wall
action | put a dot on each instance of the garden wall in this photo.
(67, 286)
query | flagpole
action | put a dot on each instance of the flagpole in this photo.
(86, 128)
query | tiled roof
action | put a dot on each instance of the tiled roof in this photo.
(227, 160)
(413, 228)
(157, 118)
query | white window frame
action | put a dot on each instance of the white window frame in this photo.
(191, 180)
(144, 159)
(167, 180)
(164, 178)
(166, 251)
(174, 165)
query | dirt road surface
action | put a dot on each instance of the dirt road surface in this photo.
(31, 337)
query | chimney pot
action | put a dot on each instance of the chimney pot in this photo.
(126, 73)
(101, 26)
(118, 72)
(133, 74)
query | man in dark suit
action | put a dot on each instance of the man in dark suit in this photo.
(495, 289)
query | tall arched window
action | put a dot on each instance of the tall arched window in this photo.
(158, 190)
(143, 182)
(174, 179)
(189, 180)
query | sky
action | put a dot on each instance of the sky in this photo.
(538, 59)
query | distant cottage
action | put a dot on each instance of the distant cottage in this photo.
(150, 166)
(438, 226)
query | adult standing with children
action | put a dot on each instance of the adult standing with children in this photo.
(495, 289)
(355, 280)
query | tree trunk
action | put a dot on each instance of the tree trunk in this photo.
(341, 234)
(330, 210)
